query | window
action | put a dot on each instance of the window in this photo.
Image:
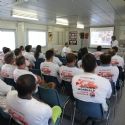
(7, 39)
(37, 38)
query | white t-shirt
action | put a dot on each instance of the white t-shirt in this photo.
(41, 55)
(30, 57)
(79, 63)
(7, 70)
(19, 72)
(97, 54)
(91, 88)
(115, 43)
(67, 73)
(66, 50)
(49, 68)
(117, 61)
(108, 71)
(57, 61)
(31, 112)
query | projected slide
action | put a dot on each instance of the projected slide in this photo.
(101, 36)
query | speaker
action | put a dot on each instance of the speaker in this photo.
(82, 35)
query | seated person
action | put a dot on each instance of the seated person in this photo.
(23, 107)
(67, 72)
(90, 87)
(106, 69)
(66, 50)
(81, 53)
(38, 53)
(18, 52)
(28, 55)
(4, 89)
(9, 67)
(48, 67)
(56, 59)
(21, 70)
(98, 53)
(116, 59)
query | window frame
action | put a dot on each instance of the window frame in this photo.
(15, 33)
(37, 30)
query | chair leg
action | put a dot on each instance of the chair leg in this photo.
(64, 110)
(73, 117)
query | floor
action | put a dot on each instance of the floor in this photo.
(119, 118)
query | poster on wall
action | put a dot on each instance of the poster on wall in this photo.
(50, 36)
(73, 38)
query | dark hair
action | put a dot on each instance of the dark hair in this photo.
(70, 57)
(105, 58)
(6, 50)
(111, 52)
(17, 51)
(20, 60)
(66, 44)
(82, 52)
(28, 48)
(88, 62)
(21, 48)
(9, 58)
(115, 48)
(37, 51)
(113, 37)
(49, 54)
(25, 84)
(99, 48)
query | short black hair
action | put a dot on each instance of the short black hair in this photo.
(25, 85)
(105, 58)
(17, 51)
(6, 50)
(28, 48)
(20, 60)
(88, 62)
(49, 54)
(21, 48)
(82, 52)
(111, 52)
(115, 48)
(114, 37)
(66, 44)
(9, 58)
(70, 57)
(99, 48)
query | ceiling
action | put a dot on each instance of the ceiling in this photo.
(88, 12)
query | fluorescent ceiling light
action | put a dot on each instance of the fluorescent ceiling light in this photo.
(24, 14)
(79, 25)
(62, 21)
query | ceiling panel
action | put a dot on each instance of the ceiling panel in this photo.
(89, 12)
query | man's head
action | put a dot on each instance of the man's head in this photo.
(71, 58)
(49, 55)
(89, 63)
(20, 61)
(113, 38)
(99, 48)
(9, 58)
(66, 44)
(105, 58)
(28, 48)
(17, 52)
(25, 85)
(115, 48)
(6, 50)
(21, 48)
(111, 52)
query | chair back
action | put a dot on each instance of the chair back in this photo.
(38, 62)
(90, 109)
(48, 78)
(36, 72)
(10, 82)
(49, 96)
(67, 88)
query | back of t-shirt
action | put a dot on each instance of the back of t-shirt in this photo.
(91, 88)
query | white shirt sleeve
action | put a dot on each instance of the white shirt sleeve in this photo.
(4, 88)
(109, 92)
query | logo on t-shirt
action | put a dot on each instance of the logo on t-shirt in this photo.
(66, 75)
(46, 70)
(114, 62)
(86, 87)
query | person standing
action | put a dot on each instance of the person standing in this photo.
(114, 42)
